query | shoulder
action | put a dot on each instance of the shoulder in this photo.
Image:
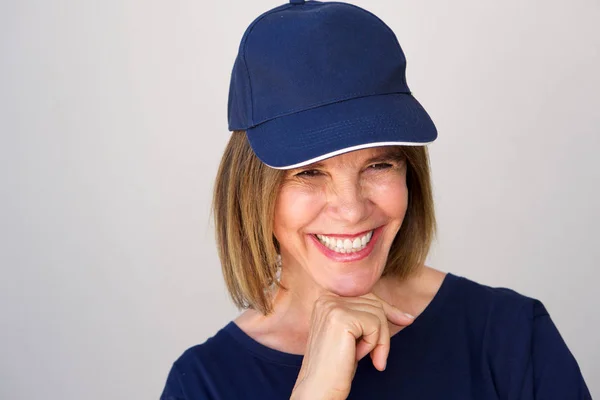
(498, 303)
(504, 317)
(522, 346)
(196, 369)
(214, 352)
(464, 297)
(501, 319)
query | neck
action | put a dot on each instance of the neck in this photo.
(294, 301)
(286, 328)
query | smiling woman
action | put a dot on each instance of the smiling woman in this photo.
(324, 217)
(247, 251)
(351, 198)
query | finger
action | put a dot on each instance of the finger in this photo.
(392, 313)
(379, 352)
(375, 338)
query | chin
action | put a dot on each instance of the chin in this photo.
(351, 287)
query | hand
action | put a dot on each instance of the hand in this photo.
(343, 331)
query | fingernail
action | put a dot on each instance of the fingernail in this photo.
(409, 315)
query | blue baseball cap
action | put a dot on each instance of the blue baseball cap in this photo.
(316, 79)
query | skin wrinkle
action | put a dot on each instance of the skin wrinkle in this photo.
(333, 190)
(344, 196)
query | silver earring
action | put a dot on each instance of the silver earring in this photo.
(278, 271)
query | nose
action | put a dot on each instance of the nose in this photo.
(348, 201)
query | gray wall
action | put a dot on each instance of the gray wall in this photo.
(112, 121)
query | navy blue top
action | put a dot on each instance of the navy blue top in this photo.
(471, 342)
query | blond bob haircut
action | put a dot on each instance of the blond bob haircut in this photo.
(244, 208)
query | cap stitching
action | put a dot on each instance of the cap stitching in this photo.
(366, 119)
(325, 103)
(252, 123)
(368, 125)
(243, 48)
(390, 31)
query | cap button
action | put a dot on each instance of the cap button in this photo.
(297, 1)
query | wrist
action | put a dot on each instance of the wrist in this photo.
(306, 390)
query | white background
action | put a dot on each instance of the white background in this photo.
(112, 122)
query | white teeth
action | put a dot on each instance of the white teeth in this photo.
(346, 245)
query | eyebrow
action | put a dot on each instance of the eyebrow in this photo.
(389, 155)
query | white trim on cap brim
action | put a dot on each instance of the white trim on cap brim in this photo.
(348, 149)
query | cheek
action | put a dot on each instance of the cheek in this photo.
(391, 196)
(295, 208)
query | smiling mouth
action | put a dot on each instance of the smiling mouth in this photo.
(345, 245)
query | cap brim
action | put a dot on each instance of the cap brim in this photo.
(312, 135)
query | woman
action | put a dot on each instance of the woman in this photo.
(324, 217)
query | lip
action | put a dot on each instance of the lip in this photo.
(348, 257)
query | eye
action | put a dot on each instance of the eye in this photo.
(308, 173)
(379, 166)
